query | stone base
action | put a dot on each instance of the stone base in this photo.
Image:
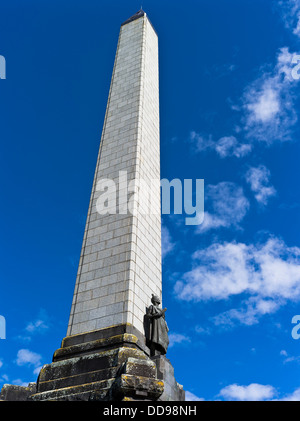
(11, 392)
(111, 364)
(173, 391)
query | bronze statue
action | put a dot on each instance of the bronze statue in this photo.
(156, 328)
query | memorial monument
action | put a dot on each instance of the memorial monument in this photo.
(116, 339)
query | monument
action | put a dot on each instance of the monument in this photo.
(116, 340)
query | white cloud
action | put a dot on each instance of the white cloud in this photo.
(201, 143)
(268, 102)
(212, 222)
(226, 146)
(219, 271)
(249, 312)
(177, 338)
(228, 206)
(37, 370)
(267, 110)
(295, 396)
(252, 392)
(289, 359)
(27, 357)
(20, 382)
(265, 107)
(229, 146)
(258, 178)
(4, 378)
(268, 276)
(189, 396)
(290, 13)
(203, 330)
(37, 326)
(285, 65)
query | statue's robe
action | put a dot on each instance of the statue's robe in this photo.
(157, 332)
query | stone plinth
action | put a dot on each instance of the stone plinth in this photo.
(173, 391)
(108, 364)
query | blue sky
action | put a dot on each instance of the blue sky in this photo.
(229, 103)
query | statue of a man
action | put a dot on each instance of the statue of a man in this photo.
(156, 329)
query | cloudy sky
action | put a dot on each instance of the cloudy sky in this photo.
(229, 105)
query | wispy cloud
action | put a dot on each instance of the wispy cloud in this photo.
(203, 330)
(4, 378)
(189, 396)
(265, 111)
(177, 338)
(290, 14)
(167, 244)
(20, 382)
(226, 204)
(294, 396)
(249, 312)
(229, 146)
(268, 102)
(38, 326)
(259, 181)
(25, 357)
(226, 146)
(289, 358)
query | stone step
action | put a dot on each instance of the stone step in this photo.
(88, 363)
(85, 378)
(89, 347)
(78, 392)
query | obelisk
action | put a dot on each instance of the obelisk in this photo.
(105, 355)
(120, 263)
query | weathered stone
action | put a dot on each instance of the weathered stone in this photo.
(78, 392)
(138, 367)
(173, 391)
(10, 392)
(109, 368)
(137, 387)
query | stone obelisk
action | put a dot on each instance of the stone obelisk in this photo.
(105, 355)
(120, 264)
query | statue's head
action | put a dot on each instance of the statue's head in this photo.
(155, 299)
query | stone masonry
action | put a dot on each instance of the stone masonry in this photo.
(120, 263)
